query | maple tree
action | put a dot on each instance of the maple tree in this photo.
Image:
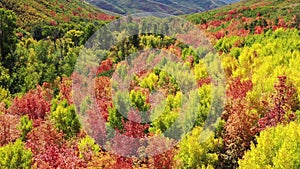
(240, 120)
(35, 104)
(283, 106)
(50, 149)
(8, 127)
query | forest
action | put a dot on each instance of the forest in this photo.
(83, 89)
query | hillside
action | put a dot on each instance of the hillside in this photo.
(150, 93)
(31, 12)
(249, 17)
(230, 1)
(175, 7)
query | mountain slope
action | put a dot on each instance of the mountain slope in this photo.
(249, 17)
(230, 1)
(174, 7)
(31, 12)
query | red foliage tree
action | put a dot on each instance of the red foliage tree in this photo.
(65, 89)
(105, 65)
(35, 103)
(204, 81)
(281, 22)
(238, 89)
(102, 88)
(258, 30)
(96, 124)
(164, 160)
(2, 107)
(283, 101)
(8, 128)
(219, 34)
(50, 150)
(103, 95)
(215, 23)
(74, 13)
(163, 152)
(128, 142)
(135, 128)
(238, 129)
(232, 12)
(52, 13)
(123, 162)
(91, 16)
(52, 23)
(104, 17)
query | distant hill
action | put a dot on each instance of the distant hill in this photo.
(230, 1)
(249, 17)
(174, 7)
(31, 12)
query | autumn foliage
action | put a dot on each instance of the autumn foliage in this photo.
(56, 111)
(284, 103)
(35, 104)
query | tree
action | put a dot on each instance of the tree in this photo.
(139, 100)
(127, 143)
(35, 104)
(15, 155)
(50, 149)
(194, 154)
(164, 117)
(240, 119)
(5, 96)
(25, 127)
(75, 36)
(65, 118)
(284, 105)
(150, 81)
(5, 77)
(8, 127)
(8, 37)
(37, 32)
(276, 148)
(88, 148)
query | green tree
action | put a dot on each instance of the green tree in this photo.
(115, 119)
(88, 148)
(74, 36)
(276, 148)
(25, 126)
(5, 96)
(138, 100)
(150, 82)
(165, 114)
(65, 118)
(196, 154)
(8, 38)
(15, 155)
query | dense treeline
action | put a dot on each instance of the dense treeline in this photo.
(45, 53)
(40, 120)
